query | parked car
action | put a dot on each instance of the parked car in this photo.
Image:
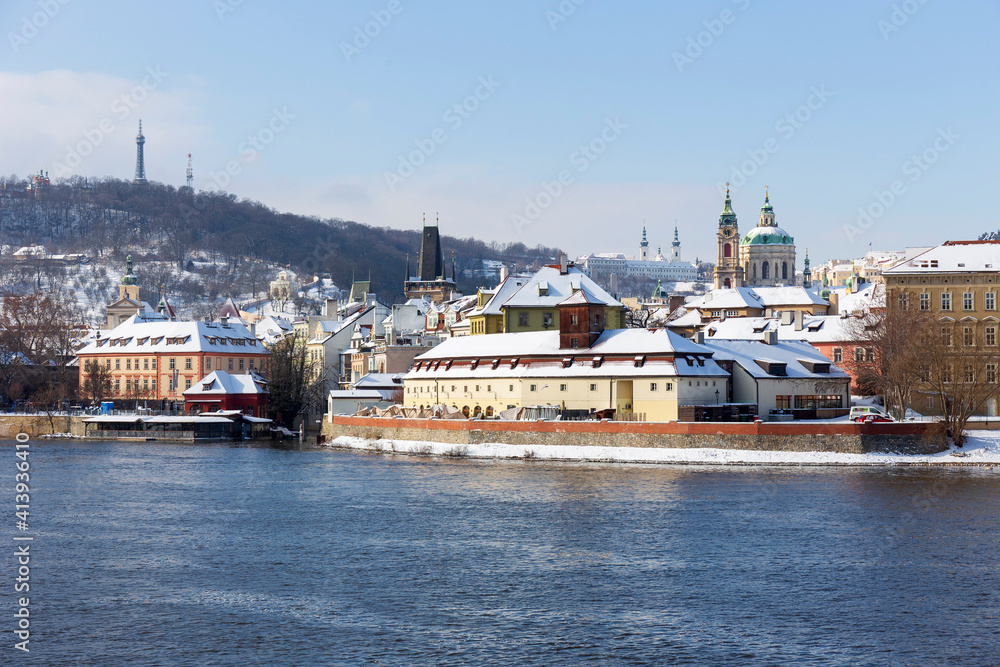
(869, 414)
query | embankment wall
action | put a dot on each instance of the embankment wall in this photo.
(846, 437)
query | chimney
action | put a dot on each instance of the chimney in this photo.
(224, 320)
(699, 337)
(330, 310)
(797, 319)
(614, 285)
(504, 273)
(562, 264)
(770, 337)
(253, 329)
(834, 300)
(787, 317)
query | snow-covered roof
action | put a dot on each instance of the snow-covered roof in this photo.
(756, 297)
(221, 382)
(870, 296)
(139, 335)
(501, 294)
(379, 381)
(756, 357)
(815, 329)
(548, 287)
(953, 257)
(546, 343)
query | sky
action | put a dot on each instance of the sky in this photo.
(567, 123)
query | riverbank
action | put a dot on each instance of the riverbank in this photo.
(982, 449)
(837, 437)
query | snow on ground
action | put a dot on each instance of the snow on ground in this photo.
(981, 448)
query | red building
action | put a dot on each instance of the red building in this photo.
(221, 391)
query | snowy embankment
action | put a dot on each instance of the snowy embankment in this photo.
(981, 448)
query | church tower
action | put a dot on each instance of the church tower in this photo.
(675, 247)
(644, 247)
(728, 272)
(432, 279)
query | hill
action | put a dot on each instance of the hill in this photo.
(241, 243)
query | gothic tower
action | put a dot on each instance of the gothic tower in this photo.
(644, 247)
(728, 272)
(432, 279)
(140, 161)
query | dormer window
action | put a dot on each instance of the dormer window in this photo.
(639, 361)
(596, 363)
(567, 361)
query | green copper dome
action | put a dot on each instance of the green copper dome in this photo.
(128, 278)
(769, 235)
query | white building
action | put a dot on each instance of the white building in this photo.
(660, 268)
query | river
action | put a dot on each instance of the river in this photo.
(152, 554)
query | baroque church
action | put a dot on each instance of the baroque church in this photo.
(763, 257)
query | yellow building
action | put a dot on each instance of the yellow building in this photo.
(534, 305)
(646, 373)
(956, 283)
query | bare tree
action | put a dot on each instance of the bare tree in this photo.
(96, 381)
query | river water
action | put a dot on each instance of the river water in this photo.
(216, 554)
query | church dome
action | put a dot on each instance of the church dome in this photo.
(767, 235)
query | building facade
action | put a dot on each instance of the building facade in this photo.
(728, 271)
(767, 252)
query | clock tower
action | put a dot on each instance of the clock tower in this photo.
(728, 272)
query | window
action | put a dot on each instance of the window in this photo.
(145, 384)
(871, 354)
(859, 354)
(904, 301)
(208, 363)
(145, 364)
(968, 337)
(230, 363)
(572, 320)
(967, 301)
(670, 386)
(838, 355)
(118, 385)
(946, 336)
(969, 372)
(593, 387)
(574, 342)
(187, 364)
(991, 336)
(522, 319)
(946, 373)
(925, 301)
(930, 402)
(652, 386)
(241, 363)
(809, 402)
(945, 301)
(533, 387)
(563, 387)
(187, 383)
(250, 364)
(173, 364)
(108, 364)
(118, 364)
(128, 364)
(991, 373)
(153, 384)
(732, 313)
(546, 320)
(512, 388)
(990, 300)
(783, 402)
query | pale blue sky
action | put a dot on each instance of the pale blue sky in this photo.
(344, 122)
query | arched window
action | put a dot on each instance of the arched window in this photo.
(478, 411)
(775, 270)
(727, 250)
(784, 270)
(765, 271)
(727, 283)
(489, 410)
(465, 410)
(754, 272)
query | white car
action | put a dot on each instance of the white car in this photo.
(867, 413)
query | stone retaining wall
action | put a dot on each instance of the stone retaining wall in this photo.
(36, 425)
(848, 438)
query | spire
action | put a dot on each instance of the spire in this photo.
(129, 278)
(644, 243)
(727, 218)
(407, 268)
(766, 211)
(140, 160)
(677, 239)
